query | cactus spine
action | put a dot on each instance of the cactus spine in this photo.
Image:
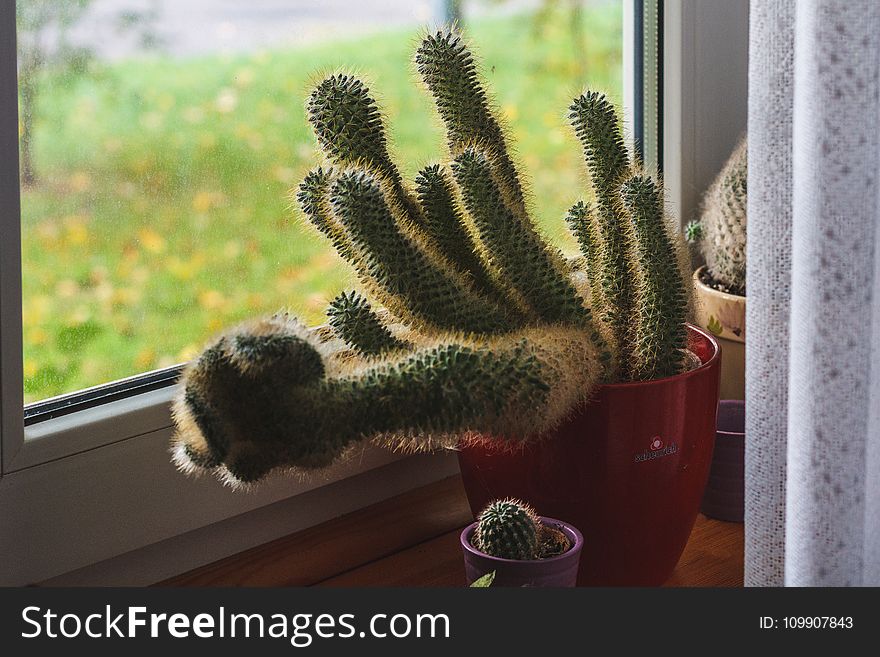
(486, 331)
(508, 529)
(721, 231)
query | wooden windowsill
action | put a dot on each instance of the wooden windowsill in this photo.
(412, 540)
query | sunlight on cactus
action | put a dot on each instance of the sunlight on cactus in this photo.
(721, 231)
(470, 326)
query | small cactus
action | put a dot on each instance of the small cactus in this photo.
(353, 320)
(721, 231)
(508, 529)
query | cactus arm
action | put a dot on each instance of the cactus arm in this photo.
(410, 284)
(451, 76)
(355, 322)
(596, 126)
(522, 257)
(270, 395)
(350, 130)
(660, 335)
(446, 225)
(582, 223)
(313, 198)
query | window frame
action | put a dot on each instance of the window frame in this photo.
(53, 509)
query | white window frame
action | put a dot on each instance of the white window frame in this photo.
(96, 486)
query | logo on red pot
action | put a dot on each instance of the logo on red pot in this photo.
(656, 449)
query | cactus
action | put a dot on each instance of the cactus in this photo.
(483, 330)
(595, 124)
(274, 393)
(445, 222)
(352, 318)
(508, 529)
(721, 231)
(659, 333)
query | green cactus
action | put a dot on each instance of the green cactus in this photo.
(508, 529)
(349, 127)
(450, 73)
(722, 227)
(353, 320)
(596, 126)
(485, 331)
(403, 275)
(274, 394)
(658, 335)
(446, 224)
(526, 262)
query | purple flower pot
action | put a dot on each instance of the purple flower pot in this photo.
(724, 497)
(558, 571)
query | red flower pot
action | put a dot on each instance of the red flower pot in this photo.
(628, 469)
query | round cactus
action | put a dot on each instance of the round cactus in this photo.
(508, 529)
(722, 226)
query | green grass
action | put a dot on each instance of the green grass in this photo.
(161, 212)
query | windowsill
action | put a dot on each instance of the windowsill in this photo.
(412, 540)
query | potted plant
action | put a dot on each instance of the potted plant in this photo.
(576, 385)
(522, 549)
(720, 284)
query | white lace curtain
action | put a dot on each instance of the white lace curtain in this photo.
(813, 285)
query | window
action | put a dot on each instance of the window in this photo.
(100, 273)
(158, 142)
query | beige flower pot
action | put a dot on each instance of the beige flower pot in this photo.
(724, 315)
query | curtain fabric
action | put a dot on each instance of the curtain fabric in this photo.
(813, 285)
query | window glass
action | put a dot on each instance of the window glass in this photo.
(159, 140)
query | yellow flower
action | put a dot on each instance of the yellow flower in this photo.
(144, 359)
(204, 201)
(30, 368)
(151, 240)
(36, 336)
(211, 300)
(76, 232)
(35, 309)
(185, 269)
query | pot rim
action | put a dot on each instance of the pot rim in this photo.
(731, 402)
(464, 539)
(716, 354)
(727, 296)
